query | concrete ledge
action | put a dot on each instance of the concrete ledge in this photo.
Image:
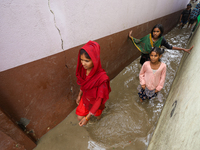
(178, 126)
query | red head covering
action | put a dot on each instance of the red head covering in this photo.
(89, 84)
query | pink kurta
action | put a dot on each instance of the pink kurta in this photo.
(153, 80)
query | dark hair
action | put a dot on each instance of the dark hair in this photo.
(159, 26)
(82, 51)
(158, 51)
(189, 5)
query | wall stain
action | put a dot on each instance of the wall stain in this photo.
(172, 112)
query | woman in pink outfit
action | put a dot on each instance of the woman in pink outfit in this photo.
(152, 75)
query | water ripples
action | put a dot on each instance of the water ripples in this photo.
(127, 121)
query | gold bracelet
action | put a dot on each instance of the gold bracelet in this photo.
(86, 118)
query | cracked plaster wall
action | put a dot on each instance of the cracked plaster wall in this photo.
(35, 29)
(28, 32)
(81, 21)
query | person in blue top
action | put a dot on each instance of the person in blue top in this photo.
(194, 14)
(185, 16)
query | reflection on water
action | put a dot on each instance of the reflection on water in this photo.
(126, 121)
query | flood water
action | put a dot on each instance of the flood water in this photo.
(126, 122)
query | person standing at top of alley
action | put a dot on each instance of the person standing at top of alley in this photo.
(94, 82)
(185, 16)
(194, 14)
(154, 39)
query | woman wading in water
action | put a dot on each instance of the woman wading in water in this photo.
(94, 82)
(154, 39)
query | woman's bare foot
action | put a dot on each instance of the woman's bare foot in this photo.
(141, 100)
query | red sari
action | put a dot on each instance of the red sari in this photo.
(95, 86)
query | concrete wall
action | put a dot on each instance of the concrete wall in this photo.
(35, 29)
(178, 126)
(40, 43)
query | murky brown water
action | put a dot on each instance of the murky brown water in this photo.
(127, 122)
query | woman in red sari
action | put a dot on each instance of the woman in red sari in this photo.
(94, 82)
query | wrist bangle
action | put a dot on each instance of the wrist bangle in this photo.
(86, 118)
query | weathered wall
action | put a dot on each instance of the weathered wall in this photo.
(40, 45)
(178, 126)
(36, 29)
